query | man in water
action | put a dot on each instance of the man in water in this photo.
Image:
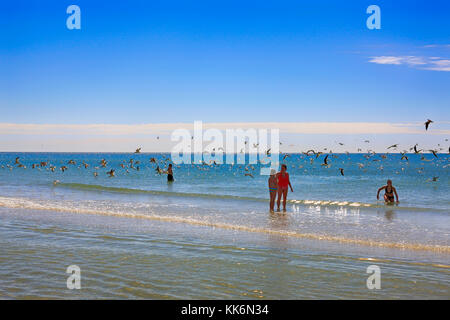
(169, 173)
(283, 184)
(273, 188)
(389, 192)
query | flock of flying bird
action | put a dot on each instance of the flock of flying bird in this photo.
(311, 154)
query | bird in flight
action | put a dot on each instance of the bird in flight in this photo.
(325, 162)
(342, 171)
(427, 123)
(138, 150)
(433, 152)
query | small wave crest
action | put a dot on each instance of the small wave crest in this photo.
(22, 203)
(331, 203)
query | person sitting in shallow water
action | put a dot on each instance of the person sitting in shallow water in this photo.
(389, 192)
(273, 188)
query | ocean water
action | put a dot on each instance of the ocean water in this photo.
(210, 234)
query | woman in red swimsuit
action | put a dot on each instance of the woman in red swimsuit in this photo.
(283, 184)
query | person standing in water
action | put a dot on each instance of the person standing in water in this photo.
(169, 173)
(283, 184)
(273, 188)
(389, 192)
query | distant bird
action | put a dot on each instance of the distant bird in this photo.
(433, 152)
(95, 174)
(427, 123)
(366, 141)
(415, 149)
(63, 168)
(285, 156)
(153, 160)
(342, 171)
(71, 162)
(268, 151)
(138, 150)
(393, 146)
(17, 160)
(111, 173)
(249, 175)
(404, 157)
(325, 162)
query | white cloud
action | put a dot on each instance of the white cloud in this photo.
(439, 65)
(127, 137)
(167, 128)
(424, 63)
(386, 60)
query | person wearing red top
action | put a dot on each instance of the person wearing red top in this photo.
(283, 184)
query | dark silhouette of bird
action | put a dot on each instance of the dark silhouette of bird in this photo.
(427, 123)
(342, 171)
(325, 162)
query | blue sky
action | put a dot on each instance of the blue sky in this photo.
(171, 61)
(136, 62)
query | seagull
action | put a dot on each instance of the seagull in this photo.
(138, 150)
(433, 152)
(393, 146)
(427, 123)
(325, 162)
(111, 173)
(404, 157)
(249, 175)
(342, 171)
(415, 149)
(17, 160)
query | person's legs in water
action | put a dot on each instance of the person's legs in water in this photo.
(280, 192)
(285, 192)
(273, 195)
